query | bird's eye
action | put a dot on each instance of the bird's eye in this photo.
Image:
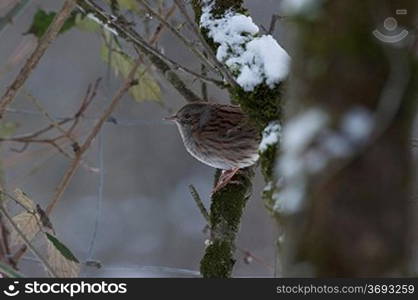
(187, 116)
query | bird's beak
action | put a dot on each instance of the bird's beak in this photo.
(171, 118)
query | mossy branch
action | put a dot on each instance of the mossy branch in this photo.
(226, 209)
(263, 105)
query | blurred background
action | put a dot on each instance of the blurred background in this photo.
(135, 192)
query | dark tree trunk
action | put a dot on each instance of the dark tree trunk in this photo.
(355, 219)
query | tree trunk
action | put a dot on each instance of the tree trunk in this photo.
(346, 193)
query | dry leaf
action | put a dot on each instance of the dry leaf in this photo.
(28, 223)
(24, 200)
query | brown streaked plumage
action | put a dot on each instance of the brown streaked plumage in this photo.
(221, 136)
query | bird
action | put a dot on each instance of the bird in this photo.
(218, 135)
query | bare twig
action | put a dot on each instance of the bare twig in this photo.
(51, 120)
(199, 203)
(274, 19)
(55, 142)
(128, 83)
(126, 32)
(176, 32)
(30, 137)
(226, 72)
(4, 243)
(37, 54)
(79, 150)
(160, 28)
(173, 64)
(204, 86)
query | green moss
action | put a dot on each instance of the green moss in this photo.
(262, 105)
(218, 260)
(269, 203)
(220, 7)
(228, 204)
(268, 161)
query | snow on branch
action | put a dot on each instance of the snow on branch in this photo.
(253, 59)
(271, 135)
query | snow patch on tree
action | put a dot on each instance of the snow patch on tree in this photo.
(309, 146)
(271, 135)
(357, 124)
(253, 59)
(295, 161)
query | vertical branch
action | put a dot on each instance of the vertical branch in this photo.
(227, 207)
(263, 105)
(350, 215)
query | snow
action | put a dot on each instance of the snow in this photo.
(300, 130)
(105, 26)
(357, 124)
(298, 160)
(249, 78)
(309, 146)
(336, 145)
(266, 61)
(271, 135)
(297, 135)
(253, 59)
(315, 161)
(289, 200)
(268, 187)
(208, 242)
(94, 18)
(110, 29)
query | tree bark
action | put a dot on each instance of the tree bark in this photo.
(263, 105)
(355, 216)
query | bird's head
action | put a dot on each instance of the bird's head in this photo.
(191, 115)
